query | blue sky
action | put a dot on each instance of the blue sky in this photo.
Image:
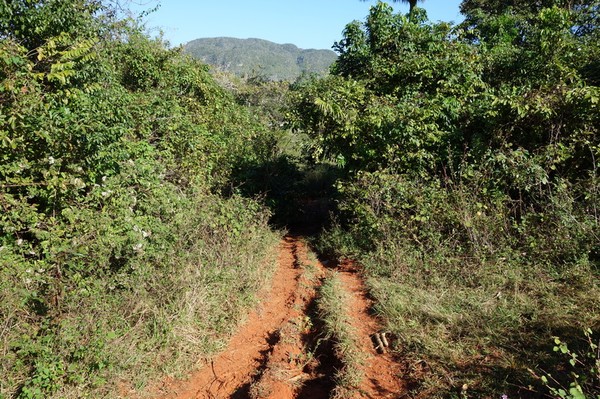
(305, 23)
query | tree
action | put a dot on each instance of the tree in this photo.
(498, 7)
(399, 85)
(412, 3)
(33, 23)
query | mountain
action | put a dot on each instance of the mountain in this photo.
(250, 57)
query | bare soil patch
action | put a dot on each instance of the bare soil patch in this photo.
(382, 372)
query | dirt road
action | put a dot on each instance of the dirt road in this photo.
(280, 351)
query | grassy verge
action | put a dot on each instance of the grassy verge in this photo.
(474, 298)
(332, 307)
(481, 338)
(189, 283)
(484, 336)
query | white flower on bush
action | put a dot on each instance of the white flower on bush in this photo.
(51, 160)
(20, 242)
(144, 233)
(77, 182)
(137, 247)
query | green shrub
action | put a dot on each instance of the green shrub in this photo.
(118, 260)
(584, 370)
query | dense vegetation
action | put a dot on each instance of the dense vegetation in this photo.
(257, 57)
(119, 256)
(465, 162)
(472, 192)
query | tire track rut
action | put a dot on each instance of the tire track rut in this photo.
(279, 353)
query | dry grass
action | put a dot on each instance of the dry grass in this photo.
(333, 312)
(165, 316)
(483, 335)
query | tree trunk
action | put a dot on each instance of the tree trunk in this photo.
(413, 4)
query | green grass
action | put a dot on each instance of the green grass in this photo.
(333, 300)
(478, 322)
(123, 332)
(475, 296)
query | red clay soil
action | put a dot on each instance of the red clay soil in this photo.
(276, 354)
(298, 367)
(381, 371)
(233, 370)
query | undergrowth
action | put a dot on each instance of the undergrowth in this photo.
(175, 301)
(471, 190)
(121, 258)
(473, 297)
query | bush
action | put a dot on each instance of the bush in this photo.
(119, 260)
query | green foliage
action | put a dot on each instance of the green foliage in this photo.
(471, 188)
(33, 22)
(585, 372)
(379, 111)
(415, 95)
(116, 249)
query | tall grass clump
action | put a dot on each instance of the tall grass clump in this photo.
(332, 306)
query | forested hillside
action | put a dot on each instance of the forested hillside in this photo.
(257, 57)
